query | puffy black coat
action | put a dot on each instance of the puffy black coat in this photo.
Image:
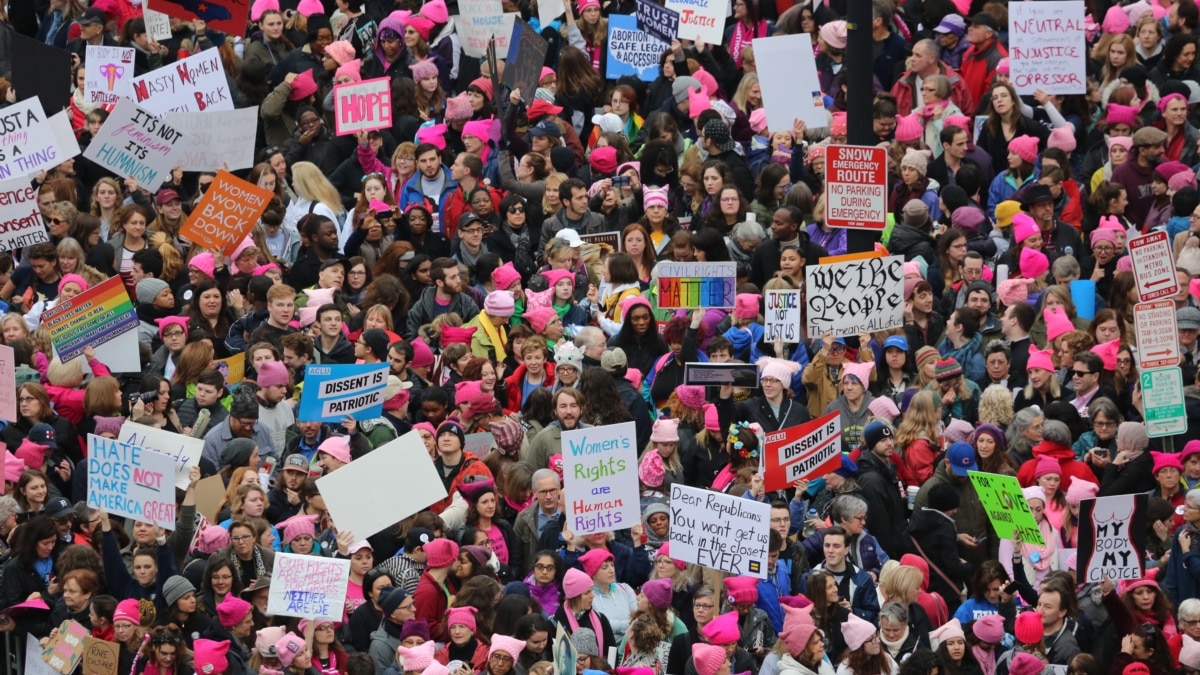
(936, 533)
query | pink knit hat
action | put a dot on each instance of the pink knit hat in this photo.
(261, 7)
(745, 306)
(1062, 138)
(308, 8)
(423, 25)
(659, 592)
(857, 632)
(504, 276)
(1012, 291)
(232, 610)
(575, 583)
(1181, 180)
(1034, 492)
(593, 559)
(948, 631)
(302, 87)
(908, 129)
(417, 658)
(539, 318)
(1028, 630)
(1040, 359)
(712, 422)
(1165, 460)
(461, 616)
(1080, 490)
(834, 34)
(32, 454)
(209, 656)
(435, 134)
(698, 102)
(1103, 234)
(1115, 20)
(203, 263)
(723, 630)
(758, 121)
(708, 659)
(1025, 147)
(1024, 227)
(337, 447)
(458, 108)
(297, 525)
(989, 628)
(1046, 466)
(1124, 264)
(1120, 114)
(837, 126)
(691, 396)
(1165, 100)
(506, 645)
(75, 279)
(859, 371)
(440, 552)
(423, 69)
(212, 539)
(1057, 323)
(798, 628)
(651, 470)
(1107, 351)
(481, 129)
(885, 407)
(665, 550)
(666, 430)
(288, 648)
(1003, 65)
(1123, 141)
(128, 611)
(651, 197)
(341, 51)
(1025, 663)
(779, 369)
(351, 69)
(1033, 263)
(741, 589)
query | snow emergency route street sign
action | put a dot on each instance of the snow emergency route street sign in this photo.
(856, 191)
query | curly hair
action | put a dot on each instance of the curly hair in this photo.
(603, 403)
(996, 406)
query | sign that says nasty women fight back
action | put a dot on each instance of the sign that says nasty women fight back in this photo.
(362, 106)
(856, 191)
(1047, 47)
(194, 84)
(1153, 266)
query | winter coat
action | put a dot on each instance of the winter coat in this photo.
(968, 356)
(425, 309)
(904, 90)
(935, 532)
(886, 509)
(1071, 467)
(970, 517)
(910, 242)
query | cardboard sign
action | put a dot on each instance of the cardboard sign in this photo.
(479, 444)
(806, 451)
(477, 22)
(856, 192)
(21, 222)
(28, 143)
(720, 531)
(92, 318)
(658, 21)
(227, 16)
(65, 650)
(216, 139)
(715, 374)
(1162, 398)
(632, 51)
(1047, 47)
(382, 487)
(39, 73)
(1112, 538)
(787, 74)
(1157, 334)
(703, 19)
(525, 57)
(210, 495)
(226, 213)
(100, 657)
(854, 295)
(8, 384)
(600, 467)
(158, 25)
(185, 450)
(195, 84)
(107, 72)
(131, 481)
(362, 106)
(308, 587)
(34, 665)
(782, 317)
(331, 393)
(134, 142)
(1006, 507)
(684, 285)
(1153, 266)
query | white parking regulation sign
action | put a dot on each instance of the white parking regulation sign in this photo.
(1153, 266)
(1162, 398)
(1157, 334)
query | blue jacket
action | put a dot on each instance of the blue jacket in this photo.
(865, 551)
(411, 192)
(1183, 572)
(774, 587)
(968, 356)
(1002, 188)
(859, 587)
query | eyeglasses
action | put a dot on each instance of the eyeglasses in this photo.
(1104, 248)
(222, 577)
(173, 334)
(1124, 362)
(358, 273)
(780, 521)
(517, 209)
(472, 230)
(325, 626)
(26, 399)
(58, 221)
(545, 568)
(547, 493)
(406, 159)
(245, 422)
(1103, 425)
(1080, 373)
(704, 605)
(241, 537)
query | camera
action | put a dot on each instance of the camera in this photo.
(146, 397)
(620, 181)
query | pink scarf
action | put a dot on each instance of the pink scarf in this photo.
(742, 36)
(724, 478)
(986, 659)
(595, 619)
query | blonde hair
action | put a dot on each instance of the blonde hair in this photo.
(996, 406)
(14, 317)
(382, 311)
(559, 179)
(920, 420)
(171, 257)
(94, 207)
(69, 374)
(310, 183)
(743, 90)
(69, 248)
(902, 581)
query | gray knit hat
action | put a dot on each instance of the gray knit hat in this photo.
(681, 85)
(175, 588)
(149, 288)
(585, 642)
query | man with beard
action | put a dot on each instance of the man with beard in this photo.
(1136, 175)
(568, 408)
(1058, 238)
(321, 246)
(446, 295)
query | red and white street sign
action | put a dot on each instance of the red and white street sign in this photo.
(856, 192)
(1153, 266)
(1157, 334)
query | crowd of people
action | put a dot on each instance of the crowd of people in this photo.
(456, 247)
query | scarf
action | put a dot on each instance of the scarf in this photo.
(82, 103)
(523, 256)
(894, 648)
(330, 667)
(259, 568)
(724, 478)
(148, 313)
(547, 596)
(1046, 552)
(573, 621)
(497, 335)
(742, 35)
(986, 659)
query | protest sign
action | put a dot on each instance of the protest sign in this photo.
(1112, 538)
(1006, 506)
(8, 384)
(28, 143)
(226, 16)
(331, 393)
(607, 241)
(194, 84)
(100, 657)
(362, 106)
(479, 444)
(476, 23)
(64, 135)
(131, 481)
(39, 72)
(720, 531)
(210, 496)
(107, 74)
(308, 587)
(1047, 47)
(34, 665)
(21, 221)
(226, 213)
(787, 75)
(845, 297)
(1157, 334)
(808, 450)
(600, 476)
(632, 51)
(683, 285)
(1153, 266)
(564, 651)
(96, 317)
(701, 19)
(185, 450)
(856, 189)
(134, 142)
(657, 20)
(525, 58)
(714, 374)
(782, 317)
(65, 649)
(233, 368)
(216, 139)
(158, 25)
(382, 487)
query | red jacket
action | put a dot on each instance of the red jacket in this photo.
(960, 92)
(430, 601)
(456, 204)
(919, 459)
(471, 466)
(979, 67)
(68, 401)
(1071, 467)
(479, 659)
(512, 383)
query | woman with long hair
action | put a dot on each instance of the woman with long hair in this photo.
(952, 652)
(1024, 433)
(314, 195)
(827, 613)
(34, 407)
(417, 223)
(1114, 53)
(579, 85)
(1038, 560)
(269, 45)
(991, 449)
(918, 437)
(107, 199)
(208, 312)
(131, 237)
(748, 96)
(864, 653)
(72, 260)
(1004, 123)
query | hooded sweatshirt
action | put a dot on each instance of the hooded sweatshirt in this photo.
(853, 422)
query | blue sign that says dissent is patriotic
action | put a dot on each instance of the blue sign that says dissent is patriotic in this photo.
(331, 393)
(632, 51)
